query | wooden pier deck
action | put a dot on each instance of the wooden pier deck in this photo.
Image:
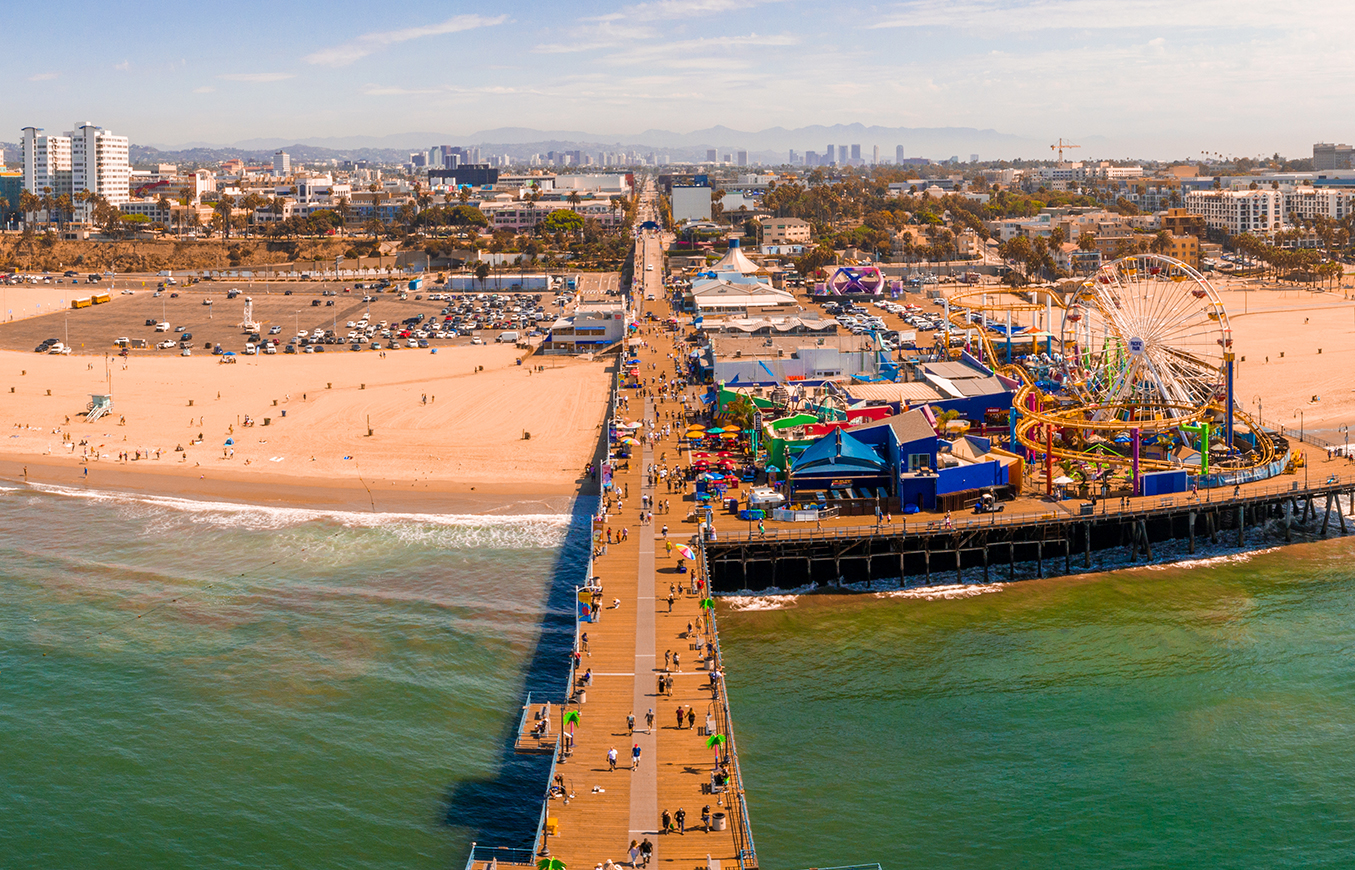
(605, 810)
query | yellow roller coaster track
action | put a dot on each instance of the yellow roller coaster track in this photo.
(1065, 419)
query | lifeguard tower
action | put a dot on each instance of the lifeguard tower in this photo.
(98, 406)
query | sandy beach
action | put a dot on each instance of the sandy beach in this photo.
(443, 436)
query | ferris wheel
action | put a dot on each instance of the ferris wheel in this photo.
(1145, 340)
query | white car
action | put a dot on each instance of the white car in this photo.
(274, 330)
(167, 344)
(162, 326)
(477, 340)
(649, 268)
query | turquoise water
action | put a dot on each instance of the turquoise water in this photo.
(212, 686)
(1199, 716)
(190, 685)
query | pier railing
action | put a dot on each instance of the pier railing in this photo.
(501, 855)
(724, 721)
(1137, 506)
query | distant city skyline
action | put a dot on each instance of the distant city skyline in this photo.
(1149, 78)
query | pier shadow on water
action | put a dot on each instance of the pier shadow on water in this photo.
(504, 811)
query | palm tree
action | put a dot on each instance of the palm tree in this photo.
(29, 204)
(344, 208)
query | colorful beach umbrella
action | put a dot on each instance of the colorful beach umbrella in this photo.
(685, 551)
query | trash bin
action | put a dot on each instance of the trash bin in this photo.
(717, 821)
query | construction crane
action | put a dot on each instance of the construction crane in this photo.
(1060, 145)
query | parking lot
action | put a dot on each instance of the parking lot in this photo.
(307, 317)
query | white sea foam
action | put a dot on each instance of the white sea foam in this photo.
(426, 529)
(937, 593)
(1208, 562)
(759, 602)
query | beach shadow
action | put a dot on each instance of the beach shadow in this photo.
(504, 810)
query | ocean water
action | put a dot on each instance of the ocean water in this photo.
(213, 686)
(1196, 715)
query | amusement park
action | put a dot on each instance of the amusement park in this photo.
(1117, 384)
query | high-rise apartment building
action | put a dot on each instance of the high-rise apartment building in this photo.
(100, 163)
(47, 162)
(86, 159)
(742, 158)
(856, 153)
(875, 155)
(898, 155)
(282, 164)
(842, 153)
(829, 157)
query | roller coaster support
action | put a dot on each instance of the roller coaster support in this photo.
(1135, 434)
(1049, 460)
(1228, 411)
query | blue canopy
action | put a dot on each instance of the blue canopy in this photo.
(838, 454)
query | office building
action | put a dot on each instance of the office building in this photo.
(856, 154)
(829, 156)
(1329, 156)
(875, 155)
(742, 158)
(712, 156)
(898, 155)
(282, 164)
(842, 154)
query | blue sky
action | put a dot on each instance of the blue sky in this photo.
(1154, 77)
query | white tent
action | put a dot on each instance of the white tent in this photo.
(735, 261)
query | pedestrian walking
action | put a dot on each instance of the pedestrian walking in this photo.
(681, 818)
(649, 717)
(667, 659)
(705, 817)
(583, 642)
(671, 599)
(677, 666)
(646, 851)
(634, 853)
(630, 722)
(667, 820)
(680, 716)
(635, 757)
(691, 718)
(611, 758)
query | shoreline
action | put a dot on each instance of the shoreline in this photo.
(282, 491)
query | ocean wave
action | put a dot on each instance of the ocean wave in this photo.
(1207, 562)
(452, 531)
(759, 602)
(936, 593)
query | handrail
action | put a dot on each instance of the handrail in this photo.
(509, 855)
(743, 829)
(1333, 483)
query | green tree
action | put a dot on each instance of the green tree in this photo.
(562, 221)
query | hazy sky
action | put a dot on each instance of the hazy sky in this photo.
(1156, 77)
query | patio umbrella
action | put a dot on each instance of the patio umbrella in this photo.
(1064, 480)
(685, 551)
(631, 441)
(774, 469)
(696, 427)
(729, 436)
